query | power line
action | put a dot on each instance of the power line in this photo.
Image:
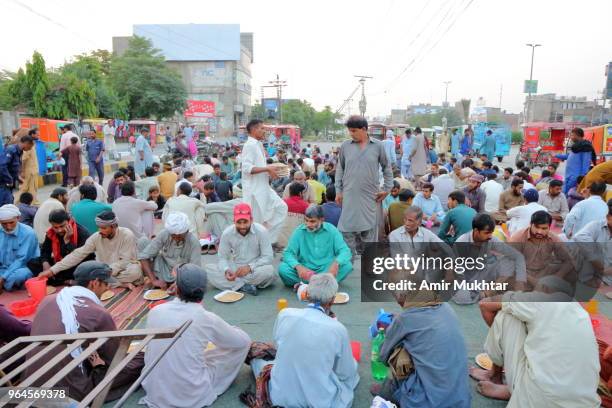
(52, 21)
(421, 57)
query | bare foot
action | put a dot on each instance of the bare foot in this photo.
(496, 391)
(480, 374)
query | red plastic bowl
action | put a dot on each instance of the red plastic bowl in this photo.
(157, 303)
(23, 307)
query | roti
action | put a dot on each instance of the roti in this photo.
(51, 290)
(282, 170)
(484, 361)
(156, 294)
(341, 298)
(107, 295)
(228, 296)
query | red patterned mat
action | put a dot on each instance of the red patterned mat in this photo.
(127, 307)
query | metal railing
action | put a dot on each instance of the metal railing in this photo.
(93, 341)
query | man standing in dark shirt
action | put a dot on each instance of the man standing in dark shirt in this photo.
(10, 167)
(64, 236)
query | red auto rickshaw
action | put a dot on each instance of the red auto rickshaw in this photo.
(541, 142)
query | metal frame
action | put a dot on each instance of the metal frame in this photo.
(122, 357)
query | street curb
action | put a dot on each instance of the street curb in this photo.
(55, 177)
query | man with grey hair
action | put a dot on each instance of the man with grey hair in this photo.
(412, 231)
(190, 374)
(307, 376)
(358, 186)
(308, 194)
(315, 247)
(74, 195)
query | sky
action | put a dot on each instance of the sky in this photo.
(409, 47)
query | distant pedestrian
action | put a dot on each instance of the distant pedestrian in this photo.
(95, 159)
(109, 138)
(65, 141)
(29, 167)
(418, 155)
(168, 136)
(73, 152)
(144, 154)
(406, 149)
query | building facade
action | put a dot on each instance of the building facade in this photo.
(551, 108)
(214, 62)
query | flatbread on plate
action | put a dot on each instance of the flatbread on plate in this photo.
(156, 294)
(341, 298)
(107, 295)
(484, 361)
(228, 296)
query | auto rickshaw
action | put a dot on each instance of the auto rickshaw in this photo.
(542, 141)
(601, 138)
(48, 143)
(134, 126)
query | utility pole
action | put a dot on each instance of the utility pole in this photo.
(446, 83)
(278, 84)
(362, 102)
(533, 47)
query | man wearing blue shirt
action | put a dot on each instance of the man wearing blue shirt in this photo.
(10, 167)
(95, 160)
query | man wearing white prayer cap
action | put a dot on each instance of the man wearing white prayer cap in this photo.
(18, 246)
(173, 246)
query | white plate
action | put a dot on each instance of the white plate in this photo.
(219, 296)
(148, 295)
(341, 302)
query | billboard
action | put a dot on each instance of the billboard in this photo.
(531, 86)
(200, 109)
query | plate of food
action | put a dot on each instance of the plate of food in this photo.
(156, 294)
(341, 298)
(484, 361)
(51, 290)
(282, 170)
(107, 295)
(228, 296)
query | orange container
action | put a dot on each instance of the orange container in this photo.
(281, 304)
(37, 288)
(23, 307)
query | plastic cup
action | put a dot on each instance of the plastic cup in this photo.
(356, 348)
(37, 288)
(592, 307)
(281, 304)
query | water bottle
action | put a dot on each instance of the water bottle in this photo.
(379, 369)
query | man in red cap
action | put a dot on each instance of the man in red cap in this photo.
(245, 255)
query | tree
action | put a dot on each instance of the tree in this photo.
(37, 82)
(258, 112)
(94, 68)
(141, 78)
(325, 120)
(435, 119)
(299, 113)
(70, 97)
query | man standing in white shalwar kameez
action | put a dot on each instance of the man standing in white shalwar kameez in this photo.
(545, 344)
(191, 374)
(268, 208)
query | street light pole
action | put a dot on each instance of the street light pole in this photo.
(533, 47)
(446, 83)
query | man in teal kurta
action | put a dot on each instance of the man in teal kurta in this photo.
(458, 220)
(84, 212)
(488, 145)
(315, 247)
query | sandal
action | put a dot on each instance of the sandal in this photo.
(212, 250)
(205, 249)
